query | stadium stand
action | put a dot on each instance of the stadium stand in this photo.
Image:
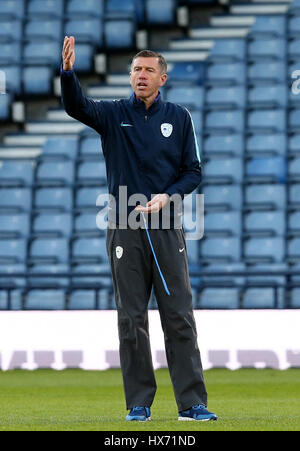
(234, 73)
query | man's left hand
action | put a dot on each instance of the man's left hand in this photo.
(155, 205)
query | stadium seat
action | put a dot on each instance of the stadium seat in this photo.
(223, 197)
(272, 121)
(268, 223)
(5, 107)
(294, 249)
(42, 52)
(10, 30)
(45, 300)
(15, 199)
(294, 222)
(12, 9)
(267, 144)
(93, 278)
(90, 147)
(49, 282)
(14, 226)
(37, 80)
(59, 173)
(84, 57)
(59, 225)
(61, 147)
(83, 300)
(186, 73)
(49, 251)
(295, 298)
(221, 249)
(15, 301)
(85, 224)
(158, 12)
(92, 172)
(43, 29)
(255, 298)
(223, 171)
(229, 145)
(268, 26)
(273, 71)
(225, 121)
(13, 78)
(219, 298)
(187, 96)
(89, 250)
(267, 48)
(10, 53)
(293, 26)
(294, 195)
(88, 8)
(294, 169)
(13, 251)
(294, 144)
(87, 197)
(226, 74)
(270, 250)
(16, 173)
(265, 196)
(126, 7)
(220, 223)
(273, 96)
(60, 199)
(228, 278)
(49, 8)
(228, 50)
(86, 30)
(115, 39)
(293, 49)
(267, 169)
(229, 97)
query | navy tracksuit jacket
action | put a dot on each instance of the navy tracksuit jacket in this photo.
(150, 151)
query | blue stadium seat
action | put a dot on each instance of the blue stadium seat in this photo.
(293, 27)
(192, 250)
(124, 8)
(42, 52)
(186, 73)
(294, 194)
(197, 119)
(267, 222)
(9, 271)
(13, 74)
(295, 8)
(5, 107)
(225, 197)
(88, 8)
(60, 199)
(16, 173)
(294, 222)
(14, 226)
(269, 26)
(294, 169)
(91, 172)
(15, 199)
(293, 49)
(45, 300)
(224, 74)
(272, 121)
(85, 224)
(51, 251)
(228, 278)
(274, 96)
(267, 144)
(220, 223)
(228, 50)
(224, 145)
(221, 249)
(294, 121)
(116, 39)
(90, 146)
(224, 170)
(84, 57)
(265, 196)
(59, 225)
(10, 53)
(86, 250)
(229, 97)
(12, 9)
(220, 298)
(265, 250)
(294, 249)
(229, 121)
(256, 298)
(85, 30)
(295, 298)
(43, 29)
(15, 302)
(267, 48)
(56, 147)
(273, 71)
(56, 172)
(54, 281)
(13, 251)
(87, 197)
(37, 80)
(49, 8)
(266, 169)
(93, 278)
(10, 30)
(187, 96)
(158, 12)
(83, 300)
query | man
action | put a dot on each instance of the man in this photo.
(149, 147)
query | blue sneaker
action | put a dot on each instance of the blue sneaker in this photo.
(139, 414)
(197, 413)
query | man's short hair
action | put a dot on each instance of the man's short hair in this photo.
(150, 54)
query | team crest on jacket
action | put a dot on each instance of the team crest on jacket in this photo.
(167, 130)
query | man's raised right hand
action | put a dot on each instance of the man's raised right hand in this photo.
(68, 53)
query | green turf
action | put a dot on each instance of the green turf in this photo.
(71, 400)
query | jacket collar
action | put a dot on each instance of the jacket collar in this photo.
(137, 103)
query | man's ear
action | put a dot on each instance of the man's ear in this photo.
(163, 79)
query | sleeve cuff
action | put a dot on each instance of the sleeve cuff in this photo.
(67, 73)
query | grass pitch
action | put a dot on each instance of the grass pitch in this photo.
(75, 400)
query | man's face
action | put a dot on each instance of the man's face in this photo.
(146, 77)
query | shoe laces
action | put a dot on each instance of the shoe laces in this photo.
(199, 406)
(138, 409)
